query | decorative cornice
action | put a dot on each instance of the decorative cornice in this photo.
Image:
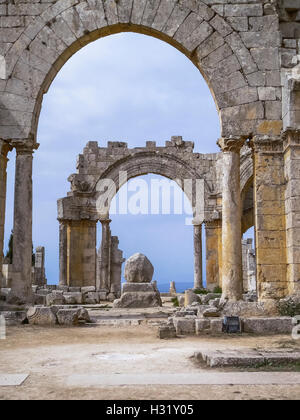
(266, 144)
(232, 144)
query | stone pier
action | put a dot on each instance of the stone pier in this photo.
(21, 291)
(270, 225)
(4, 149)
(198, 280)
(292, 207)
(232, 284)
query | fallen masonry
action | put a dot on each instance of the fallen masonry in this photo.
(247, 358)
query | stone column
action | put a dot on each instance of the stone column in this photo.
(21, 290)
(63, 247)
(292, 206)
(4, 149)
(213, 233)
(198, 280)
(81, 253)
(104, 261)
(269, 208)
(232, 282)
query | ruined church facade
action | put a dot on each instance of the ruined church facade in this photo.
(249, 55)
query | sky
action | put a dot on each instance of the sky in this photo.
(125, 87)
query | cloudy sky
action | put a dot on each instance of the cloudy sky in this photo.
(125, 87)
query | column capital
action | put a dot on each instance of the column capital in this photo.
(266, 144)
(24, 147)
(5, 147)
(232, 144)
(105, 221)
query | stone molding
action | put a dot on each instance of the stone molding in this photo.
(266, 144)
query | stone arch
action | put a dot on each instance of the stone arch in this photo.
(206, 38)
(142, 163)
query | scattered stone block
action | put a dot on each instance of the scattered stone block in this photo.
(39, 299)
(211, 312)
(88, 289)
(74, 289)
(202, 325)
(216, 326)
(166, 331)
(68, 316)
(73, 298)
(91, 298)
(280, 325)
(185, 326)
(55, 298)
(37, 315)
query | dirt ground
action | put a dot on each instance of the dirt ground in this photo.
(51, 355)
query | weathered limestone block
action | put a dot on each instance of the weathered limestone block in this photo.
(281, 325)
(55, 299)
(68, 316)
(137, 287)
(88, 289)
(211, 312)
(73, 298)
(166, 331)
(139, 298)
(41, 316)
(216, 326)
(39, 299)
(185, 326)
(138, 269)
(91, 298)
(202, 325)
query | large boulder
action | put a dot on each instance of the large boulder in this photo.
(138, 269)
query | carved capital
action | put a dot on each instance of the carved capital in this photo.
(25, 147)
(266, 144)
(231, 144)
